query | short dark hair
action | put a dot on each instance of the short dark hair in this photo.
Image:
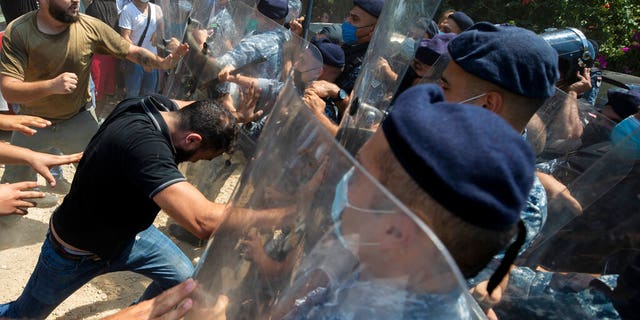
(471, 247)
(213, 122)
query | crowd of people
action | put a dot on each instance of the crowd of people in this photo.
(485, 135)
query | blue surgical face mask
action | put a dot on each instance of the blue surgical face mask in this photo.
(349, 33)
(340, 202)
(628, 132)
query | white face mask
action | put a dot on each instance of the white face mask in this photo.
(468, 101)
(340, 202)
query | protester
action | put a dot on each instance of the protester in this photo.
(59, 92)
(133, 159)
(141, 23)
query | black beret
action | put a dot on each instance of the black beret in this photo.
(512, 57)
(465, 157)
(430, 50)
(274, 9)
(624, 103)
(332, 54)
(372, 7)
(462, 20)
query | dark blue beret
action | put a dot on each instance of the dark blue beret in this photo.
(430, 50)
(624, 103)
(465, 157)
(332, 54)
(462, 20)
(274, 9)
(373, 7)
(333, 32)
(512, 57)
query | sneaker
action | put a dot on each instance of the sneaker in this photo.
(62, 187)
(48, 201)
(183, 235)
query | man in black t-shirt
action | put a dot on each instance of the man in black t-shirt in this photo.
(128, 173)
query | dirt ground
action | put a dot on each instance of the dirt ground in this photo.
(19, 250)
(20, 247)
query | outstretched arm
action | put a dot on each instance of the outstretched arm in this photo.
(149, 60)
(22, 123)
(41, 162)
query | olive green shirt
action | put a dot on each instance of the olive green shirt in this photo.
(30, 55)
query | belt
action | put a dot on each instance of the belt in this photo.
(86, 106)
(60, 250)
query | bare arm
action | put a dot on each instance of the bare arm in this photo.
(22, 123)
(191, 209)
(15, 90)
(126, 34)
(41, 162)
(150, 61)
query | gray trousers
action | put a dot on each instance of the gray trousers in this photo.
(68, 136)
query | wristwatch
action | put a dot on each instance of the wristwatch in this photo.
(341, 95)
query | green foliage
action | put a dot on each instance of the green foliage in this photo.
(614, 24)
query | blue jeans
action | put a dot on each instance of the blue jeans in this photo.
(138, 82)
(55, 278)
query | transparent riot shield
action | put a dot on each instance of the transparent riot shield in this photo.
(175, 16)
(383, 67)
(304, 237)
(234, 36)
(571, 138)
(216, 177)
(580, 264)
(229, 36)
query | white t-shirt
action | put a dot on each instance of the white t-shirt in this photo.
(120, 4)
(132, 19)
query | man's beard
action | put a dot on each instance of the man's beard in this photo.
(183, 155)
(60, 14)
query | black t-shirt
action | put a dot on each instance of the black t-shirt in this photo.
(105, 10)
(128, 161)
(15, 8)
